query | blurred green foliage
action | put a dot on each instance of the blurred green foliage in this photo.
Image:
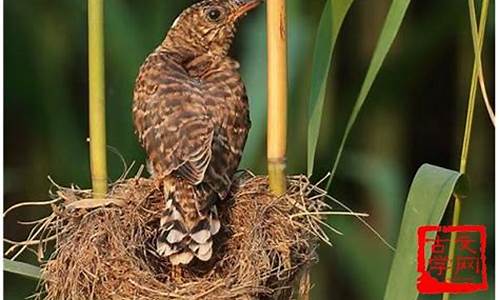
(413, 115)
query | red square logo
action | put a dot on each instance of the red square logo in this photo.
(469, 263)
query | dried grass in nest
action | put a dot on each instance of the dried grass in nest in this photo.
(103, 248)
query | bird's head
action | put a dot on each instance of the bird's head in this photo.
(208, 26)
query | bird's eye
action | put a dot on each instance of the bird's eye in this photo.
(214, 14)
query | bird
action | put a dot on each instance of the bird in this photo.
(191, 115)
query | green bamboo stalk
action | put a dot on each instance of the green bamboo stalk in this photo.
(97, 108)
(478, 45)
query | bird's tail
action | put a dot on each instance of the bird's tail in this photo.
(187, 224)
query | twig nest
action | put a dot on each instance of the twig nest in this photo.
(106, 252)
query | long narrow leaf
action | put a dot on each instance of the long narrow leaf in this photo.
(429, 195)
(329, 27)
(391, 27)
(20, 268)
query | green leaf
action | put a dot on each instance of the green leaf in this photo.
(23, 269)
(391, 27)
(429, 195)
(328, 30)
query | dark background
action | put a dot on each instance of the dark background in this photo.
(414, 114)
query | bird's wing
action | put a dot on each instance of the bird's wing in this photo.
(229, 104)
(171, 120)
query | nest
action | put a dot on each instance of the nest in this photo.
(103, 248)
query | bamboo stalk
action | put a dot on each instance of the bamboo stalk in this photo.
(478, 46)
(277, 94)
(98, 165)
(277, 77)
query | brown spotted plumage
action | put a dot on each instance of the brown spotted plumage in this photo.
(191, 115)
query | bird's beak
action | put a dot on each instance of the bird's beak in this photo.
(244, 6)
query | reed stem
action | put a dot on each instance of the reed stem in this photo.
(277, 94)
(97, 108)
(478, 45)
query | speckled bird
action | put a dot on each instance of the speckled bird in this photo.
(191, 115)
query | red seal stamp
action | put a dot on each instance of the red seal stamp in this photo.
(468, 266)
